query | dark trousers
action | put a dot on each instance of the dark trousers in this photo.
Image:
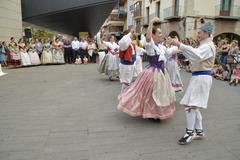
(75, 54)
(68, 55)
(93, 58)
(83, 53)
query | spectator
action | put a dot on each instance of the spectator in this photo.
(224, 52)
(67, 51)
(233, 51)
(39, 47)
(92, 51)
(3, 53)
(75, 48)
(235, 75)
(83, 49)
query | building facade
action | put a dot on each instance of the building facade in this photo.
(180, 17)
(10, 19)
(117, 21)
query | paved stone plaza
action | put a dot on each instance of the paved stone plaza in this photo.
(68, 112)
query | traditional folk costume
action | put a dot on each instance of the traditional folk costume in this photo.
(58, 56)
(173, 70)
(110, 63)
(101, 52)
(13, 57)
(151, 94)
(197, 93)
(103, 67)
(127, 55)
(25, 59)
(47, 56)
(138, 64)
(35, 60)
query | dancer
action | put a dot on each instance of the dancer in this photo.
(173, 69)
(110, 63)
(151, 94)
(197, 93)
(127, 55)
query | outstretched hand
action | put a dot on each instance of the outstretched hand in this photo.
(174, 41)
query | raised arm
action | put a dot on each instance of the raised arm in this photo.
(195, 54)
(125, 42)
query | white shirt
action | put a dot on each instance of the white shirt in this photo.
(113, 46)
(159, 49)
(203, 52)
(143, 39)
(125, 42)
(75, 45)
(84, 45)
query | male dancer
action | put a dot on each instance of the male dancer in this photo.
(127, 55)
(197, 94)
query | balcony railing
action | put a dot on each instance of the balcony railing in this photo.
(172, 12)
(233, 13)
(121, 12)
(137, 9)
(115, 18)
(137, 12)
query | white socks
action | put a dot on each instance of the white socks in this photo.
(191, 118)
(198, 123)
(194, 119)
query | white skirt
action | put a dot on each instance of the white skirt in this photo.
(198, 90)
(101, 56)
(58, 56)
(25, 59)
(138, 66)
(113, 62)
(34, 58)
(126, 73)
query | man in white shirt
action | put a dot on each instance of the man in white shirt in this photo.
(75, 48)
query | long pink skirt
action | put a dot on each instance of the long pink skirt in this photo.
(137, 100)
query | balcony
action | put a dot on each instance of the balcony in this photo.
(137, 10)
(115, 17)
(232, 14)
(137, 13)
(121, 12)
(172, 13)
(115, 23)
(113, 20)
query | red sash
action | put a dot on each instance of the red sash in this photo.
(127, 54)
(111, 51)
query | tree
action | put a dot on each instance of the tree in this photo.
(42, 34)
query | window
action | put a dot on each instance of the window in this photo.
(176, 7)
(225, 7)
(137, 9)
(147, 13)
(158, 9)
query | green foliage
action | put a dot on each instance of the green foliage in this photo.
(42, 34)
